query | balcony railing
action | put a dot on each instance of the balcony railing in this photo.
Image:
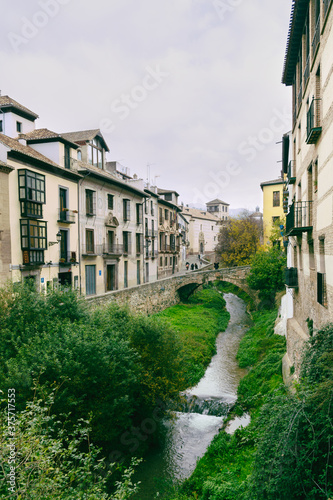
(316, 37)
(66, 216)
(67, 258)
(313, 124)
(92, 250)
(291, 278)
(321, 289)
(299, 218)
(291, 172)
(112, 249)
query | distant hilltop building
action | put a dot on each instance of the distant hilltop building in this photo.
(204, 226)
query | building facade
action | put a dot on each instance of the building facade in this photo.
(309, 221)
(273, 213)
(168, 233)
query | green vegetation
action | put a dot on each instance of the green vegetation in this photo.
(107, 367)
(267, 274)
(44, 462)
(223, 471)
(197, 324)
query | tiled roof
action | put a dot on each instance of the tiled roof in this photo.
(216, 202)
(44, 133)
(104, 174)
(200, 214)
(6, 101)
(15, 145)
(270, 183)
(84, 135)
(164, 191)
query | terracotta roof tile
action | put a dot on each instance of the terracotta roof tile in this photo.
(6, 101)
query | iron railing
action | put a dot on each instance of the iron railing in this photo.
(67, 258)
(313, 123)
(291, 277)
(112, 249)
(299, 218)
(66, 216)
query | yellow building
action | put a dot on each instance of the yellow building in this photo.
(272, 207)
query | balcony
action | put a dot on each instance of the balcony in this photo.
(67, 259)
(112, 249)
(291, 278)
(313, 124)
(92, 250)
(66, 216)
(299, 218)
(291, 172)
(321, 289)
(33, 257)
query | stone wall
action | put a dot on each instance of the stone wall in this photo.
(153, 297)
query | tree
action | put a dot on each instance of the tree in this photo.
(238, 241)
(266, 275)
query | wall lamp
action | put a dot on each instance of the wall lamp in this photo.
(58, 236)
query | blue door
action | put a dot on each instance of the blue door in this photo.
(90, 280)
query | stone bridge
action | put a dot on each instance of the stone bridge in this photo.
(149, 298)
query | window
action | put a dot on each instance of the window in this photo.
(1, 129)
(125, 274)
(33, 240)
(161, 261)
(138, 272)
(127, 242)
(311, 254)
(96, 153)
(67, 156)
(139, 243)
(90, 202)
(152, 207)
(139, 213)
(64, 245)
(276, 198)
(18, 127)
(111, 240)
(126, 210)
(31, 193)
(166, 214)
(146, 207)
(110, 201)
(168, 196)
(63, 196)
(166, 261)
(90, 245)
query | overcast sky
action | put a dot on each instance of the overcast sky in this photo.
(191, 88)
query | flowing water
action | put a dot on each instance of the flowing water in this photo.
(188, 434)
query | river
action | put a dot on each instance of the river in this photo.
(187, 435)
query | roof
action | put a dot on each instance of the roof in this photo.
(217, 202)
(84, 136)
(200, 214)
(9, 104)
(15, 146)
(104, 175)
(45, 135)
(271, 183)
(165, 191)
(299, 11)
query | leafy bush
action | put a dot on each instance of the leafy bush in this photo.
(267, 274)
(48, 463)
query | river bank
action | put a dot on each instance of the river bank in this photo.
(188, 431)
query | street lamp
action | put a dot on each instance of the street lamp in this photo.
(58, 236)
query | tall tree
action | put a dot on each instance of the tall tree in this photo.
(238, 241)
